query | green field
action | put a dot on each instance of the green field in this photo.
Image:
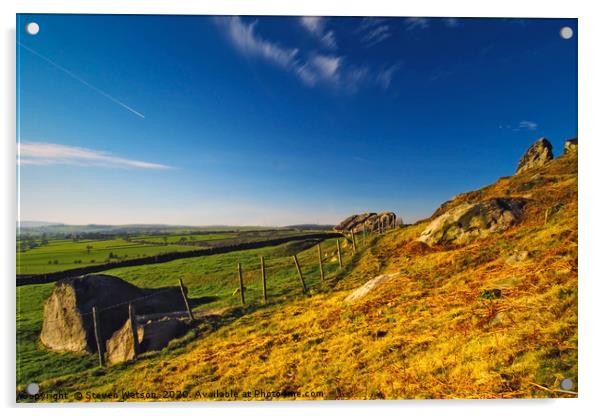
(60, 255)
(207, 278)
(214, 239)
(189, 238)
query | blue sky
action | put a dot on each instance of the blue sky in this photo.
(204, 120)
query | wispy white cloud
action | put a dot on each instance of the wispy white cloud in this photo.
(247, 41)
(39, 153)
(527, 125)
(416, 23)
(524, 125)
(321, 68)
(312, 68)
(373, 31)
(385, 75)
(316, 26)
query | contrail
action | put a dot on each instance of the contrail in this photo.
(86, 83)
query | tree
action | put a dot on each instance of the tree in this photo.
(89, 248)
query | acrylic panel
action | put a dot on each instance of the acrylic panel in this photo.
(295, 208)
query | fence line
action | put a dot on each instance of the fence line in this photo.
(266, 267)
(95, 312)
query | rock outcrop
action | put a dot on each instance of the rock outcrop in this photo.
(467, 222)
(68, 324)
(570, 146)
(370, 286)
(537, 155)
(368, 221)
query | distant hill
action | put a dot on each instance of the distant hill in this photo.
(37, 228)
(34, 224)
(311, 226)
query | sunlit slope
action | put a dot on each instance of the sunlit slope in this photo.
(439, 330)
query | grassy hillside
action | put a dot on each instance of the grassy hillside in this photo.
(472, 321)
(211, 281)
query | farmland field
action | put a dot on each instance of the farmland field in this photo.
(211, 281)
(59, 254)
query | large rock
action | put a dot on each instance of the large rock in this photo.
(68, 323)
(570, 146)
(537, 155)
(151, 336)
(467, 222)
(368, 221)
(370, 286)
(120, 347)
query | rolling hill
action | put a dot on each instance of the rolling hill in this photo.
(495, 317)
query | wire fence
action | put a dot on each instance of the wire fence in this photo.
(264, 268)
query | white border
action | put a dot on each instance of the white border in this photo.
(590, 276)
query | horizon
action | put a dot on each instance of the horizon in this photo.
(50, 224)
(278, 121)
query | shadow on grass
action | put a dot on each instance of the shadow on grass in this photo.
(203, 300)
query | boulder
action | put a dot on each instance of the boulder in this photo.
(151, 336)
(353, 220)
(370, 286)
(570, 146)
(68, 325)
(467, 222)
(537, 155)
(120, 347)
(368, 221)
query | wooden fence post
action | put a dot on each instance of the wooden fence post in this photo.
(241, 285)
(101, 358)
(320, 263)
(339, 251)
(185, 300)
(353, 241)
(300, 273)
(265, 290)
(134, 327)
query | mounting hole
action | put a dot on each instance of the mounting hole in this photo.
(566, 384)
(32, 28)
(32, 389)
(566, 32)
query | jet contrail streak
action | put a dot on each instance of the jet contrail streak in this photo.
(86, 83)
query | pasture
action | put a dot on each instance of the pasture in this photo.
(58, 254)
(62, 254)
(211, 281)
